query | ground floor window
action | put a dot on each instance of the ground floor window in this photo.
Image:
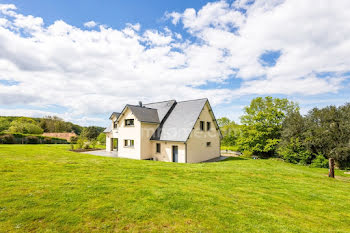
(129, 143)
(158, 147)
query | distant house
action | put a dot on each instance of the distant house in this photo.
(184, 132)
(66, 136)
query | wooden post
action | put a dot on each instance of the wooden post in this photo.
(331, 168)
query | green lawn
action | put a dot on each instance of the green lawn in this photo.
(46, 188)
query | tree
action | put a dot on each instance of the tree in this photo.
(292, 146)
(54, 124)
(76, 128)
(90, 132)
(4, 124)
(320, 135)
(223, 121)
(328, 133)
(230, 131)
(262, 124)
(25, 125)
(101, 138)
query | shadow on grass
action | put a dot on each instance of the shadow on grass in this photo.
(233, 158)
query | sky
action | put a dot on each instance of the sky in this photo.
(83, 60)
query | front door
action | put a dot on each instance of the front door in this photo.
(115, 144)
(175, 154)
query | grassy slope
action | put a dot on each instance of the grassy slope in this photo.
(46, 187)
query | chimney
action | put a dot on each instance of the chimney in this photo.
(140, 103)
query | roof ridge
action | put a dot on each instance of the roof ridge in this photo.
(140, 106)
(160, 102)
(192, 100)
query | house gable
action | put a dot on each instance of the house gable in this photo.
(204, 142)
(128, 133)
(143, 114)
(179, 124)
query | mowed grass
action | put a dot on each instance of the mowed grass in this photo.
(46, 188)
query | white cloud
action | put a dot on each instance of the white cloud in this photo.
(312, 35)
(174, 16)
(92, 72)
(157, 38)
(215, 14)
(90, 24)
(7, 9)
(135, 27)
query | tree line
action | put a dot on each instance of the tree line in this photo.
(49, 124)
(274, 127)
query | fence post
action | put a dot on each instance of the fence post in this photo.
(331, 168)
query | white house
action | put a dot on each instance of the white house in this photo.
(184, 132)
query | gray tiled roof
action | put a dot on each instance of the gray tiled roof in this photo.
(176, 119)
(162, 108)
(180, 122)
(117, 114)
(144, 114)
(108, 129)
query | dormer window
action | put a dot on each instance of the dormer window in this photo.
(115, 125)
(129, 122)
(208, 126)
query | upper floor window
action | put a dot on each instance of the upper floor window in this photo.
(158, 147)
(208, 126)
(114, 124)
(129, 122)
(201, 125)
(208, 144)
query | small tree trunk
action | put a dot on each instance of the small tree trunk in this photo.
(331, 168)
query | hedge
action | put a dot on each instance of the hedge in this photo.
(29, 139)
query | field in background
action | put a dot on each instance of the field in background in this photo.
(48, 188)
(229, 148)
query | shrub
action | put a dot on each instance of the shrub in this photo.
(93, 143)
(295, 152)
(32, 140)
(7, 139)
(247, 153)
(231, 148)
(86, 145)
(320, 161)
(47, 141)
(101, 138)
(80, 143)
(73, 139)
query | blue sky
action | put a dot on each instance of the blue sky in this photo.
(81, 60)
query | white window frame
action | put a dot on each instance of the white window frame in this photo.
(130, 143)
(127, 124)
